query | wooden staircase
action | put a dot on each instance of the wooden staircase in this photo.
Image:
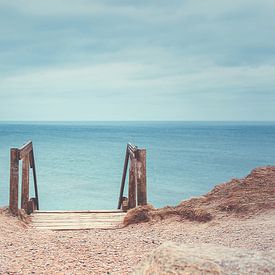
(77, 220)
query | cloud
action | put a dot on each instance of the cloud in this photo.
(187, 53)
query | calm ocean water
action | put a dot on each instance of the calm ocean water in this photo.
(79, 165)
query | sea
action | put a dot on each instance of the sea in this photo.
(79, 164)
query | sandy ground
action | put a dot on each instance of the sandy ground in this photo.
(26, 250)
(242, 216)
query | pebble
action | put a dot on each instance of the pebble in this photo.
(117, 252)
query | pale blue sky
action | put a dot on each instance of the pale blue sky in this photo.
(137, 60)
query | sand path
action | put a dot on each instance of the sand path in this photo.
(27, 250)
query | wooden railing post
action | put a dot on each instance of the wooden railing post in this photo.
(126, 160)
(32, 164)
(132, 183)
(24, 153)
(141, 177)
(14, 175)
(25, 183)
(137, 193)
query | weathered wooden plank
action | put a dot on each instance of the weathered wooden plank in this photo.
(77, 218)
(25, 184)
(122, 185)
(132, 184)
(75, 222)
(141, 177)
(71, 220)
(76, 228)
(25, 150)
(70, 216)
(45, 216)
(63, 216)
(14, 175)
(102, 224)
(77, 211)
(32, 164)
(71, 226)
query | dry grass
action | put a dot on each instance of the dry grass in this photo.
(240, 197)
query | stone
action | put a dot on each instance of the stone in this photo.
(170, 258)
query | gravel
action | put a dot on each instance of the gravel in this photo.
(25, 250)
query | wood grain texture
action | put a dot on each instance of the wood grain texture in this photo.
(14, 176)
(25, 184)
(32, 164)
(132, 184)
(25, 150)
(124, 173)
(141, 177)
(76, 220)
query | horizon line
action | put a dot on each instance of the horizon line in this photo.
(1, 121)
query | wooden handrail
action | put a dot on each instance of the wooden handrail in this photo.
(26, 154)
(32, 165)
(137, 178)
(25, 150)
(137, 194)
(122, 185)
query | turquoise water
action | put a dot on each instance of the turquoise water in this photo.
(79, 165)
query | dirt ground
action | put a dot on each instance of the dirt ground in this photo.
(24, 250)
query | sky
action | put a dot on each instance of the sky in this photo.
(137, 60)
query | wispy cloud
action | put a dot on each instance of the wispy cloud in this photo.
(171, 57)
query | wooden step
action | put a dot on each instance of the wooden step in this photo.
(77, 220)
(76, 211)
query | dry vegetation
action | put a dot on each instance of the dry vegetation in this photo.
(240, 197)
